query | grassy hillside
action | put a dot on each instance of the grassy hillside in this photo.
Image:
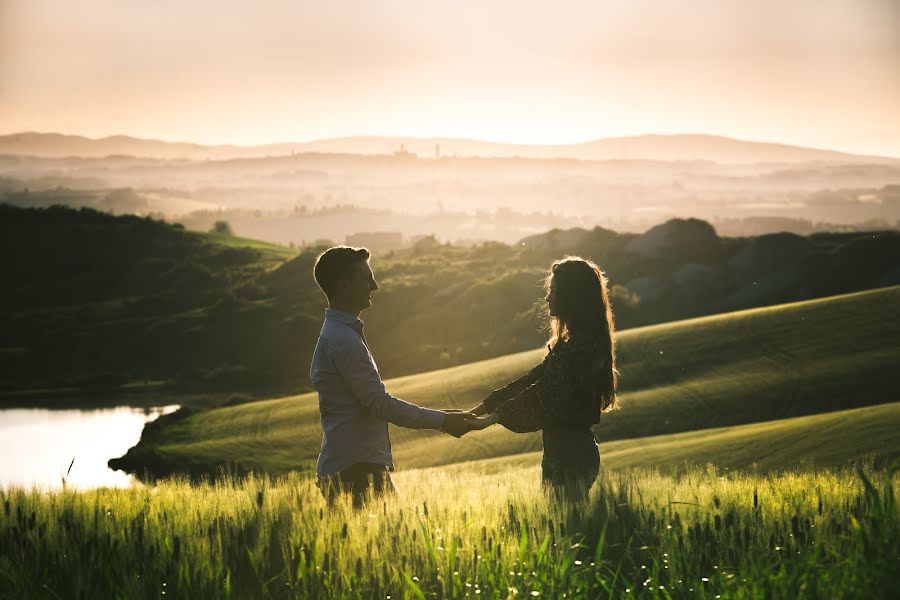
(745, 367)
(827, 440)
(95, 301)
(235, 241)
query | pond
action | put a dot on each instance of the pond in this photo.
(37, 445)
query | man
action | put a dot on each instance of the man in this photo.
(354, 406)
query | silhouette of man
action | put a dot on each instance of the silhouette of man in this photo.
(354, 406)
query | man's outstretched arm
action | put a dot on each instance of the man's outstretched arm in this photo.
(363, 381)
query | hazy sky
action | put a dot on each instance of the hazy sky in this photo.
(822, 73)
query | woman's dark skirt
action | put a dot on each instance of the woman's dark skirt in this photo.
(571, 461)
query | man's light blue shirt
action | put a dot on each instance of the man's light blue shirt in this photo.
(353, 405)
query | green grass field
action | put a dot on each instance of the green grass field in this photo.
(766, 369)
(727, 475)
(455, 533)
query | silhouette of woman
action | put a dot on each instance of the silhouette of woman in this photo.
(565, 394)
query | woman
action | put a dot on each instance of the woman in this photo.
(565, 394)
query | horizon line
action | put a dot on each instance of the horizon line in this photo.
(450, 138)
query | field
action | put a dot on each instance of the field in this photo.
(752, 458)
(758, 373)
(459, 532)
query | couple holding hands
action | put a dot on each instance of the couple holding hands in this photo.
(562, 396)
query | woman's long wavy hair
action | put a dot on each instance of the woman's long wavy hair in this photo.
(583, 308)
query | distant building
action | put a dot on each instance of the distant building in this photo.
(404, 153)
(377, 240)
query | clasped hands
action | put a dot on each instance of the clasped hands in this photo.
(460, 422)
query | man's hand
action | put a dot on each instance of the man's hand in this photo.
(456, 423)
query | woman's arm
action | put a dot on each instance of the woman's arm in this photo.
(522, 413)
(567, 393)
(497, 397)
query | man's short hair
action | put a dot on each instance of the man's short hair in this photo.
(335, 265)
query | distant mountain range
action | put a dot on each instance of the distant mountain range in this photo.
(644, 147)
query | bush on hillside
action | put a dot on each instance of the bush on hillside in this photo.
(221, 228)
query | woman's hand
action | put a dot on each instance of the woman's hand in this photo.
(479, 410)
(479, 423)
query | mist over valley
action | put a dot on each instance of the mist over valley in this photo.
(329, 190)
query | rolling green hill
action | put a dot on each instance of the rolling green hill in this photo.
(827, 440)
(268, 249)
(740, 368)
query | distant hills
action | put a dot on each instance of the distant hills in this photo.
(91, 300)
(692, 147)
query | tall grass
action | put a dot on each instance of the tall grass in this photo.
(456, 533)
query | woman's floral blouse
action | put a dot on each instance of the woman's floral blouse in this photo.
(565, 390)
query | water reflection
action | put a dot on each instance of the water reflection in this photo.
(37, 444)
